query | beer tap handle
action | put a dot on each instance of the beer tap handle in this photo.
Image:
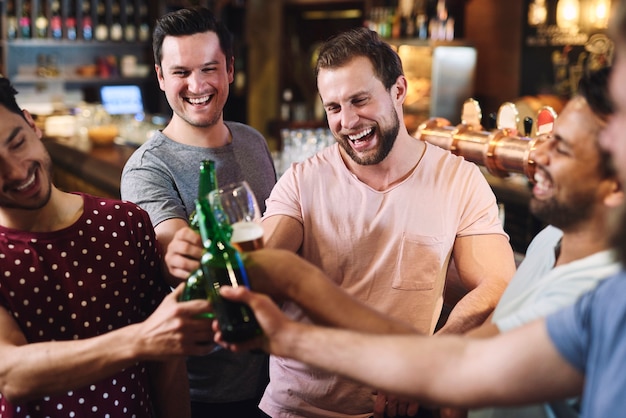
(528, 125)
(508, 118)
(491, 122)
(471, 114)
(545, 120)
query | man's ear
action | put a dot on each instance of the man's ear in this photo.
(401, 88)
(31, 122)
(159, 75)
(615, 197)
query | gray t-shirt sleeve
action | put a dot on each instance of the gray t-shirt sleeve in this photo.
(148, 182)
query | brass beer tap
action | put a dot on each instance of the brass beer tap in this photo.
(503, 151)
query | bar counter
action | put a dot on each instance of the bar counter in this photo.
(87, 168)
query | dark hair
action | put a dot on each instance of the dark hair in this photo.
(7, 96)
(189, 22)
(361, 42)
(594, 88)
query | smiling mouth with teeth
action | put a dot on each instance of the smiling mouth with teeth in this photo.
(360, 135)
(543, 182)
(27, 184)
(198, 100)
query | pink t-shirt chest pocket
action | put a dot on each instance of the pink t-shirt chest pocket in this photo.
(420, 261)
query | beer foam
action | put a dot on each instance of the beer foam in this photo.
(246, 231)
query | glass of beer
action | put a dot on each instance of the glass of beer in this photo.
(239, 205)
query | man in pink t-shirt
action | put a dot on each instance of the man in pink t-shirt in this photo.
(382, 214)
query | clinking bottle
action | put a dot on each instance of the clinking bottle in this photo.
(198, 286)
(221, 264)
(208, 183)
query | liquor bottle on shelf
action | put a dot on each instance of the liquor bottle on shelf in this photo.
(56, 26)
(144, 23)
(70, 21)
(102, 31)
(130, 29)
(116, 31)
(12, 25)
(24, 22)
(421, 19)
(41, 23)
(87, 22)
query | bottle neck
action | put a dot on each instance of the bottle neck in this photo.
(208, 178)
(211, 232)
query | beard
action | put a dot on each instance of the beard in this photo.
(387, 139)
(563, 215)
(46, 187)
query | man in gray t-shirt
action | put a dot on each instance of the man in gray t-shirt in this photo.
(194, 66)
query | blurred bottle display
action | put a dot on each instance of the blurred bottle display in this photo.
(102, 20)
(403, 19)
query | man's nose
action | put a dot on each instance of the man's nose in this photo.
(349, 118)
(539, 152)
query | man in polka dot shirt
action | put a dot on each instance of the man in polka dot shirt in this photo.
(87, 327)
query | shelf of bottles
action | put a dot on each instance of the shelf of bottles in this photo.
(76, 20)
(410, 19)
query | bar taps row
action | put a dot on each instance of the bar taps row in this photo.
(502, 149)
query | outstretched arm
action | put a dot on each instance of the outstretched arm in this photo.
(287, 276)
(517, 367)
(30, 371)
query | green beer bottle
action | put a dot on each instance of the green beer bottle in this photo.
(222, 265)
(197, 287)
(207, 183)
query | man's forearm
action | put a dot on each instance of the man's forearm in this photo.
(286, 276)
(471, 311)
(34, 370)
(446, 370)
